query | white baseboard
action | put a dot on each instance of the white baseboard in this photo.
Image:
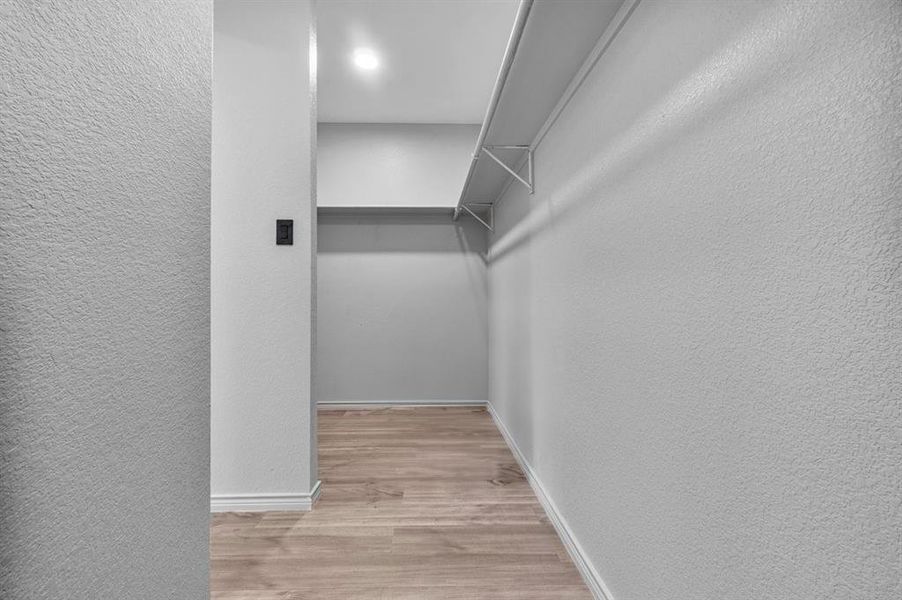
(361, 404)
(264, 502)
(590, 575)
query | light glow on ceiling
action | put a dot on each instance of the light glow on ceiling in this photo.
(365, 59)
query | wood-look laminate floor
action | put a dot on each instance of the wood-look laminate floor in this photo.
(417, 504)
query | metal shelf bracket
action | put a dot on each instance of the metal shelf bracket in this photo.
(490, 209)
(529, 182)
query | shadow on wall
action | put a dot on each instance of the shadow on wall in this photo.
(513, 366)
(373, 232)
(734, 75)
(402, 307)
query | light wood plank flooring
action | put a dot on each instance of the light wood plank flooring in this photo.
(417, 504)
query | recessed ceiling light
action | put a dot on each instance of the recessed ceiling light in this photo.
(365, 59)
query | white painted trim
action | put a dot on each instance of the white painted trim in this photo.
(363, 404)
(589, 574)
(316, 492)
(265, 502)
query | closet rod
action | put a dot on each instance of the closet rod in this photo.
(512, 43)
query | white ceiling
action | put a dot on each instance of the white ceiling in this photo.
(438, 59)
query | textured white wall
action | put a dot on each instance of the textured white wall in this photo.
(262, 295)
(697, 319)
(402, 309)
(104, 299)
(369, 164)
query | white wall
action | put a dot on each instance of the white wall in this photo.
(104, 299)
(368, 164)
(402, 309)
(262, 294)
(402, 296)
(697, 319)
